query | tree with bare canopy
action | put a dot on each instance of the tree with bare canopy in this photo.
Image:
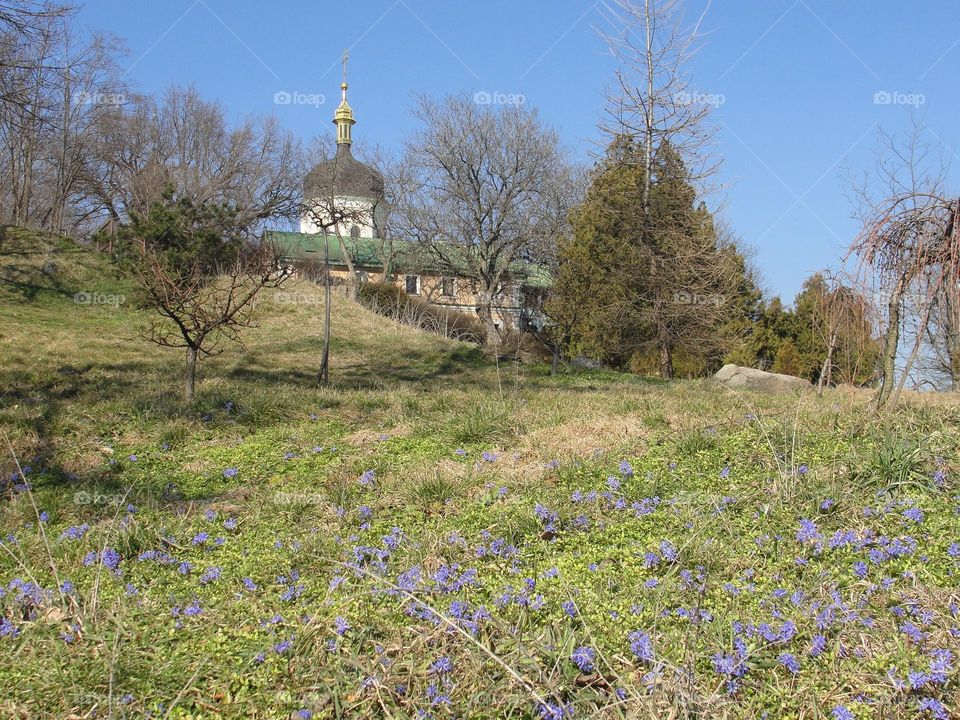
(482, 198)
(199, 275)
(909, 241)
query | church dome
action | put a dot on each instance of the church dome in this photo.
(344, 175)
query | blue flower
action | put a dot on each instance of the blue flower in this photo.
(7, 628)
(210, 575)
(626, 469)
(569, 607)
(583, 658)
(441, 665)
(914, 514)
(200, 538)
(341, 625)
(934, 707)
(641, 645)
(841, 713)
(818, 645)
(553, 711)
(790, 662)
(367, 478)
(75, 533)
(808, 532)
(249, 584)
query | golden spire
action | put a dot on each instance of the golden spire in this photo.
(343, 117)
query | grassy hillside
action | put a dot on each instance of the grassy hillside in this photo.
(438, 536)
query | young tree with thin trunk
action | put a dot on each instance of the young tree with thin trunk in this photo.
(198, 274)
(328, 211)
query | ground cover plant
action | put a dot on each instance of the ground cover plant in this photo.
(437, 535)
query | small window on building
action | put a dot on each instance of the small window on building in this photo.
(362, 276)
(354, 232)
(413, 284)
(448, 287)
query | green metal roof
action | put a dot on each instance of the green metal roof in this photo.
(365, 253)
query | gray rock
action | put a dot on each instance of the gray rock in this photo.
(734, 376)
(584, 363)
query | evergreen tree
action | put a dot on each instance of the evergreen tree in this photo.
(636, 285)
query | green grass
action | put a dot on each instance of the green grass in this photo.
(497, 497)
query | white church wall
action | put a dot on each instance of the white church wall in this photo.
(363, 207)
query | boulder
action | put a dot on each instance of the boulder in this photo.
(734, 376)
(581, 362)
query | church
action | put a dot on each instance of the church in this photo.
(341, 229)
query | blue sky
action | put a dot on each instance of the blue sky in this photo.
(798, 80)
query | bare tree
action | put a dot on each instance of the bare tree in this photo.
(654, 100)
(53, 86)
(183, 140)
(909, 240)
(479, 202)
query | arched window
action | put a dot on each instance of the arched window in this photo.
(354, 232)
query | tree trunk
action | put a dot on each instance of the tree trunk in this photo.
(827, 369)
(485, 311)
(666, 361)
(648, 111)
(323, 376)
(191, 380)
(891, 341)
(921, 331)
(352, 282)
